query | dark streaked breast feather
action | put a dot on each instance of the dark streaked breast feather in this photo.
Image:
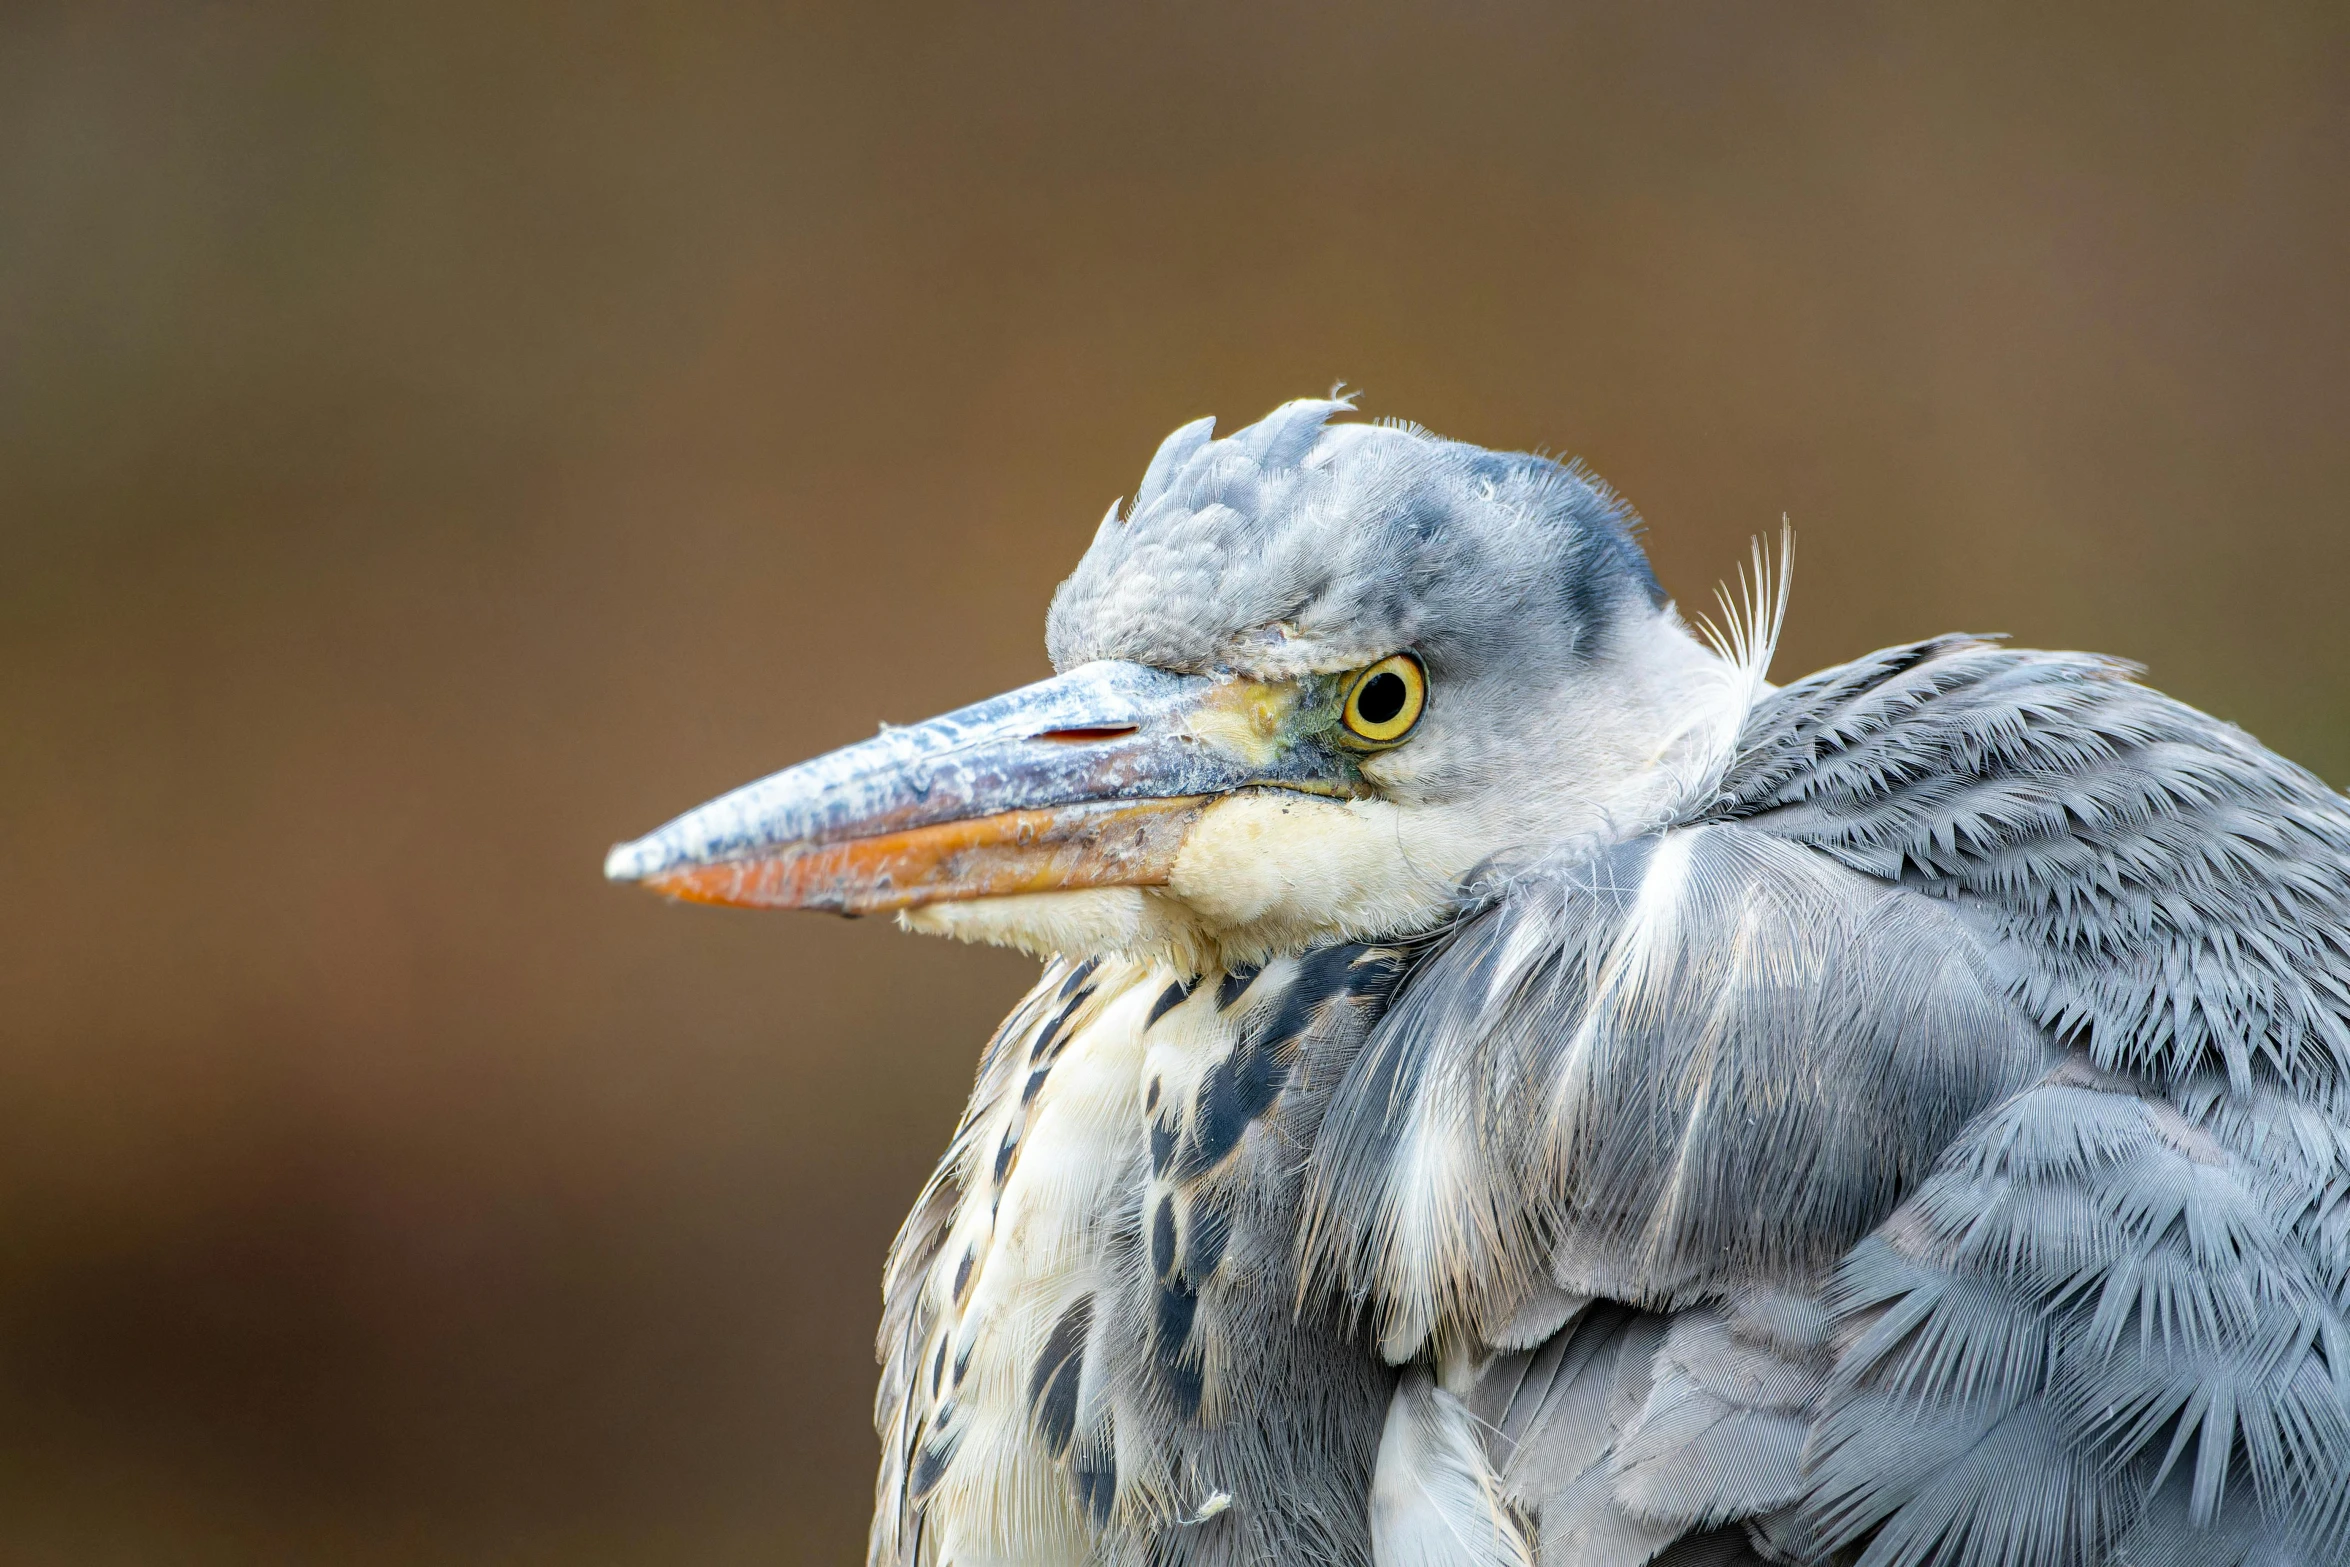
(1256, 1421)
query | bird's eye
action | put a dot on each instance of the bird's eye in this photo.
(1385, 701)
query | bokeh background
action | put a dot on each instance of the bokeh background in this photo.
(436, 440)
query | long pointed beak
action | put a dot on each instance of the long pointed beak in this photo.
(1087, 780)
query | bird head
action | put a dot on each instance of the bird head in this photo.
(1313, 677)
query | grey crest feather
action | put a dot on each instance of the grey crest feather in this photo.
(1301, 545)
(1173, 453)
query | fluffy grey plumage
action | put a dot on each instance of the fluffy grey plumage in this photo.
(2003, 917)
(1907, 1122)
(1301, 546)
(1698, 1061)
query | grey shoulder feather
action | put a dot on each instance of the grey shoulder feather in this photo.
(1697, 1060)
(2160, 890)
(1991, 1024)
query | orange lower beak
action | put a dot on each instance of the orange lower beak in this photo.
(1129, 843)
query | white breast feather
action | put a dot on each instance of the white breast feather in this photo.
(1037, 1238)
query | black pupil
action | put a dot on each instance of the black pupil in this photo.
(1382, 697)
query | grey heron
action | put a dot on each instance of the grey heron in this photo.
(1511, 1085)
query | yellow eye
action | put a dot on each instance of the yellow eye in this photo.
(1385, 700)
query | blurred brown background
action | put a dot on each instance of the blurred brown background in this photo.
(438, 440)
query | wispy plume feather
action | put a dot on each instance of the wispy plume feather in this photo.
(1748, 633)
(1700, 752)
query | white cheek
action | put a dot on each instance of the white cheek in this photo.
(1123, 921)
(1295, 863)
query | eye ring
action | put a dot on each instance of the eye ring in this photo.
(1384, 702)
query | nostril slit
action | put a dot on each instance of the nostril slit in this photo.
(1080, 736)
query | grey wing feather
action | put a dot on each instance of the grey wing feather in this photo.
(1689, 1076)
(2163, 892)
(1697, 1062)
(1723, 1432)
(1630, 1433)
(1553, 1417)
(2095, 1298)
(2130, 1281)
(1990, 1037)
(1715, 1548)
